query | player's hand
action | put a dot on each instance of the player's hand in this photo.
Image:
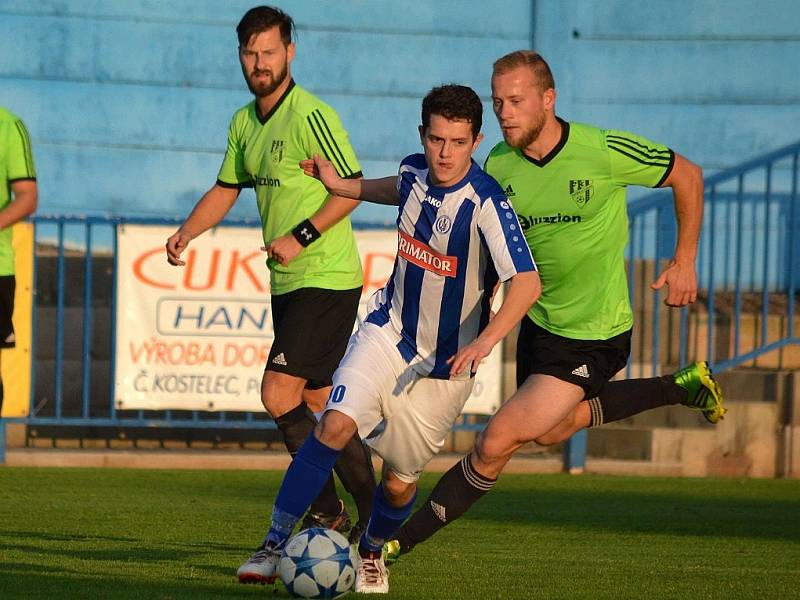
(681, 282)
(321, 169)
(471, 354)
(176, 244)
(283, 250)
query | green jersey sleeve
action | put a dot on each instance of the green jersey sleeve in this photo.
(636, 160)
(19, 155)
(232, 172)
(325, 135)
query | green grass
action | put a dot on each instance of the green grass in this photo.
(103, 533)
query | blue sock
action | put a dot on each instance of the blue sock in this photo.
(384, 522)
(304, 479)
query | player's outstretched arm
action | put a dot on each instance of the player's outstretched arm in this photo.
(209, 211)
(524, 289)
(377, 191)
(680, 276)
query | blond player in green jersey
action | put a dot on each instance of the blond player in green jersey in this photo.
(567, 182)
(315, 270)
(18, 199)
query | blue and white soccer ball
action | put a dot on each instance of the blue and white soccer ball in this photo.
(318, 563)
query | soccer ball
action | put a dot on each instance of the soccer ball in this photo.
(318, 563)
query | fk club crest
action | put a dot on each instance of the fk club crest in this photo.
(581, 190)
(276, 152)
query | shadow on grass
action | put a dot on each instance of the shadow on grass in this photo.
(65, 537)
(23, 580)
(635, 512)
(138, 553)
(124, 549)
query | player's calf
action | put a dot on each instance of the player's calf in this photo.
(578, 419)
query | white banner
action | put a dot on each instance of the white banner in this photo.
(197, 337)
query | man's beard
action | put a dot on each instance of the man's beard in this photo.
(260, 90)
(528, 136)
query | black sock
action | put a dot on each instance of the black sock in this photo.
(296, 425)
(456, 491)
(354, 468)
(622, 399)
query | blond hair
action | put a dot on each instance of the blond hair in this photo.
(529, 59)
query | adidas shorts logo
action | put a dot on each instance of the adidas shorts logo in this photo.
(279, 359)
(581, 371)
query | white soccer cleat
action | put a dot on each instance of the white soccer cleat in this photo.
(372, 576)
(261, 567)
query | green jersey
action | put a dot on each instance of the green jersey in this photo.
(264, 152)
(571, 206)
(16, 163)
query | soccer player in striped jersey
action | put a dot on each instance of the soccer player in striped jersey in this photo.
(18, 198)
(567, 182)
(315, 270)
(411, 362)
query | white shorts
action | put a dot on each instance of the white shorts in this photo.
(373, 383)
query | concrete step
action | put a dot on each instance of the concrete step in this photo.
(619, 443)
(744, 444)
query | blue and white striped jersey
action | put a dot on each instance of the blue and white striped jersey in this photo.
(453, 245)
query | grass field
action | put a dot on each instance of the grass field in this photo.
(102, 533)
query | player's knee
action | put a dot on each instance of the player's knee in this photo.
(280, 392)
(335, 429)
(316, 399)
(397, 491)
(492, 448)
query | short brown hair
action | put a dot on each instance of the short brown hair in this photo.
(530, 59)
(453, 102)
(263, 18)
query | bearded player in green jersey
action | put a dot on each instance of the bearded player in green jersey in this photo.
(567, 183)
(315, 270)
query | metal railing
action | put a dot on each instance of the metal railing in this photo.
(748, 269)
(748, 273)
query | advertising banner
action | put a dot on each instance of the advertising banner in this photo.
(197, 337)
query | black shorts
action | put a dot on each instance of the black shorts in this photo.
(312, 327)
(587, 363)
(8, 284)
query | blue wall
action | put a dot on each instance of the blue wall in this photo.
(128, 103)
(717, 80)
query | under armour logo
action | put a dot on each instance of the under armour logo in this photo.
(306, 233)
